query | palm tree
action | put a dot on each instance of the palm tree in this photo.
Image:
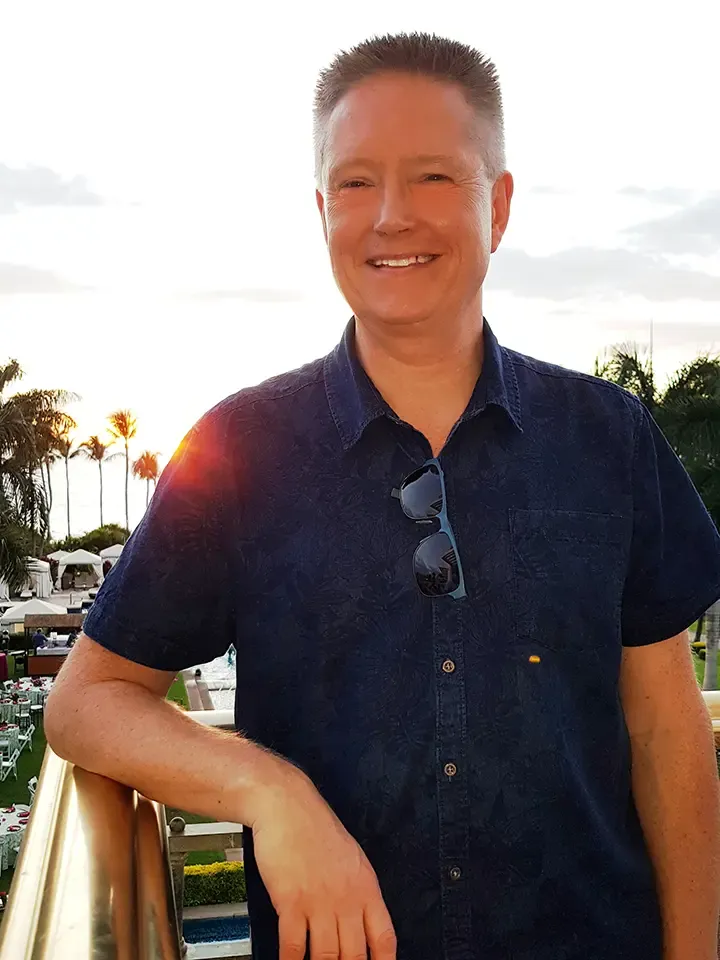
(123, 426)
(27, 423)
(146, 468)
(688, 413)
(94, 449)
(63, 445)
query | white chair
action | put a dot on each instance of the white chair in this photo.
(8, 762)
(32, 787)
(26, 731)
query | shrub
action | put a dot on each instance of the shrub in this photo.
(214, 883)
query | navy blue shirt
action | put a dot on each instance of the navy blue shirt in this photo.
(475, 748)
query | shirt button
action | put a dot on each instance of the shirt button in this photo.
(448, 666)
(450, 769)
(455, 873)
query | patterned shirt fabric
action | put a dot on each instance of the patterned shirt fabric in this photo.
(475, 748)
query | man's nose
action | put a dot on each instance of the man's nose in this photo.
(395, 213)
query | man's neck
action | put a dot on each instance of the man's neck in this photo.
(425, 373)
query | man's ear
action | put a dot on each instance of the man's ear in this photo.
(320, 200)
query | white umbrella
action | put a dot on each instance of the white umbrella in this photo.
(18, 612)
(83, 558)
(58, 555)
(113, 552)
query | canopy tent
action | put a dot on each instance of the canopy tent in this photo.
(81, 558)
(112, 553)
(58, 555)
(18, 612)
(39, 577)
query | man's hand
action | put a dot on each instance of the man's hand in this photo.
(317, 876)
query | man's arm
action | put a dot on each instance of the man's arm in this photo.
(675, 786)
(109, 715)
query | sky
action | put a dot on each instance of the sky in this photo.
(160, 246)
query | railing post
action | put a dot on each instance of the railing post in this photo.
(177, 868)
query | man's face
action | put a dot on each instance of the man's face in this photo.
(404, 179)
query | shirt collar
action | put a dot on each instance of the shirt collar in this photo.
(355, 401)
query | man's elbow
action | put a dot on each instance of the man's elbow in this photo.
(61, 718)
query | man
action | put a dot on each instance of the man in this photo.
(39, 639)
(458, 581)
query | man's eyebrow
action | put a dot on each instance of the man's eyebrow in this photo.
(418, 158)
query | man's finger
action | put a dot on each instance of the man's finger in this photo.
(351, 932)
(379, 931)
(292, 930)
(324, 942)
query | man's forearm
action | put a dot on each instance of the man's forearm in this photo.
(675, 785)
(124, 732)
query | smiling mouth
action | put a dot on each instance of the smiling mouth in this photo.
(397, 263)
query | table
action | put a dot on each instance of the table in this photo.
(59, 651)
(47, 665)
(13, 823)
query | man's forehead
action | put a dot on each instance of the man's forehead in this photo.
(431, 122)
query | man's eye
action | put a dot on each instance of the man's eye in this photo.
(353, 184)
(435, 177)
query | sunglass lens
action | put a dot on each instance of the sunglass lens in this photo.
(436, 566)
(421, 494)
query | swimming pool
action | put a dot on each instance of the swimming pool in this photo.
(215, 929)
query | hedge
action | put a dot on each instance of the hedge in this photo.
(208, 883)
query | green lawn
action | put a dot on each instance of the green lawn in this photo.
(700, 669)
(16, 791)
(178, 694)
(29, 764)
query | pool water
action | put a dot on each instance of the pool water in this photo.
(218, 928)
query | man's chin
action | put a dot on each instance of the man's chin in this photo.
(394, 315)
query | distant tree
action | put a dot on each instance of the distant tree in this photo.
(146, 468)
(97, 451)
(28, 422)
(123, 426)
(94, 541)
(688, 413)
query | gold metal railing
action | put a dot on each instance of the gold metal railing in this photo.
(93, 879)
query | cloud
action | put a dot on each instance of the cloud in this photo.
(17, 278)
(257, 295)
(694, 229)
(548, 191)
(598, 274)
(42, 187)
(672, 196)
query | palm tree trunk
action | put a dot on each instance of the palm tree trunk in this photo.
(699, 628)
(32, 510)
(101, 494)
(49, 486)
(712, 641)
(147, 493)
(127, 480)
(67, 487)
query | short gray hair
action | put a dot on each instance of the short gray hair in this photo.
(423, 54)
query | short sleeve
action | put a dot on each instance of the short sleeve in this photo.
(674, 568)
(168, 602)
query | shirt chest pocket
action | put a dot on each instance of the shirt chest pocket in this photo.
(568, 576)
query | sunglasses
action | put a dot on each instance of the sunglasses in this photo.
(436, 562)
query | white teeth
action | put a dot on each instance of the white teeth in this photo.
(405, 262)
